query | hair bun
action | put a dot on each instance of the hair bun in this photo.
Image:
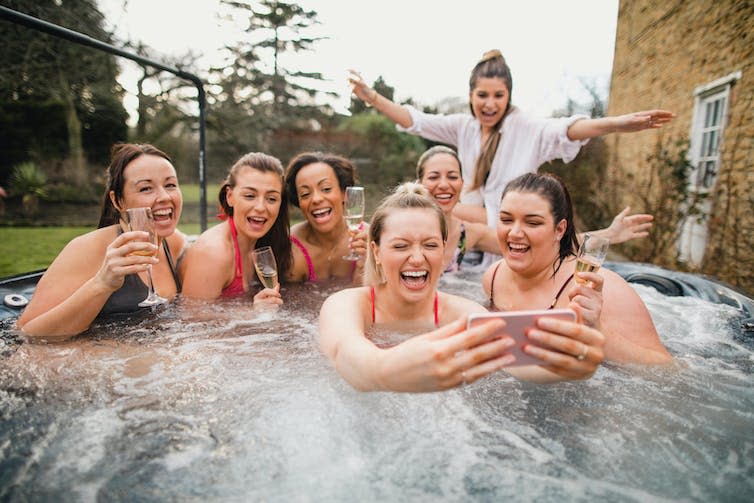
(493, 54)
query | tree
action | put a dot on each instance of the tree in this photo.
(255, 94)
(58, 99)
(357, 106)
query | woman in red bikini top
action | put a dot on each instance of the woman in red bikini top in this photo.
(404, 263)
(316, 183)
(539, 243)
(253, 200)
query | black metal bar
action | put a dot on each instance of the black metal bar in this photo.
(80, 38)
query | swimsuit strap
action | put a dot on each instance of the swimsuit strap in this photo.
(171, 265)
(562, 288)
(309, 263)
(436, 309)
(234, 235)
(461, 246)
(371, 299)
(492, 286)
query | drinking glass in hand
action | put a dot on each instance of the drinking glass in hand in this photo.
(266, 266)
(591, 254)
(141, 219)
(355, 206)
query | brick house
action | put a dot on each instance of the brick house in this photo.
(696, 58)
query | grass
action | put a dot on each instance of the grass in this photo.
(25, 249)
(190, 192)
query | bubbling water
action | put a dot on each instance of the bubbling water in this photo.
(222, 403)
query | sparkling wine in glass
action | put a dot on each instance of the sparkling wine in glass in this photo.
(355, 206)
(591, 254)
(266, 266)
(141, 219)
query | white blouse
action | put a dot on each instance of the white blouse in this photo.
(527, 142)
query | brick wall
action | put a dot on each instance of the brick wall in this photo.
(663, 51)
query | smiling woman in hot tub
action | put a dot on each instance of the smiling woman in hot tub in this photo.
(405, 261)
(100, 272)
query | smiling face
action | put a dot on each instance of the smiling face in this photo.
(489, 100)
(410, 252)
(319, 196)
(150, 181)
(256, 200)
(442, 178)
(528, 235)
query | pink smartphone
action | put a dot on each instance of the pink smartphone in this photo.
(516, 325)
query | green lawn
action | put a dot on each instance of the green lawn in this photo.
(190, 192)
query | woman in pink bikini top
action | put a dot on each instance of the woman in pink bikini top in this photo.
(404, 263)
(253, 201)
(316, 183)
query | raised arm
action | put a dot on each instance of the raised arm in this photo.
(396, 113)
(78, 283)
(625, 227)
(584, 129)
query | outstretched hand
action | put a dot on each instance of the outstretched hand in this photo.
(360, 88)
(626, 227)
(638, 121)
(446, 357)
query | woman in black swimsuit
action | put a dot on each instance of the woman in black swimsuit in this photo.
(98, 273)
(539, 242)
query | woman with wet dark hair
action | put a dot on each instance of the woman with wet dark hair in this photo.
(255, 208)
(538, 271)
(101, 272)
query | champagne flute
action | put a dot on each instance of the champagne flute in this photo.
(141, 219)
(266, 266)
(355, 206)
(591, 254)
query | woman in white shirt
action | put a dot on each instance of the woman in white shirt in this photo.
(498, 142)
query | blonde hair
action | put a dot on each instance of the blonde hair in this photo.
(492, 65)
(408, 195)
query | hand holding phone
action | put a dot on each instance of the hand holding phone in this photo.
(517, 323)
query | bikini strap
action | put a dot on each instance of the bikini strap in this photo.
(371, 299)
(562, 288)
(437, 312)
(307, 258)
(492, 286)
(171, 265)
(234, 235)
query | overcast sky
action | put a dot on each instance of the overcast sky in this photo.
(425, 49)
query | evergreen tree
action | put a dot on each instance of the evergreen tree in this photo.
(58, 99)
(255, 94)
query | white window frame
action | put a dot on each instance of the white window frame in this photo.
(704, 95)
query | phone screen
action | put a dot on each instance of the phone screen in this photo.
(516, 325)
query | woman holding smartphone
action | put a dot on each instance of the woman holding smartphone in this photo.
(538, 241)
(404, 262)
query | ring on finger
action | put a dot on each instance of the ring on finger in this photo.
(584, 352)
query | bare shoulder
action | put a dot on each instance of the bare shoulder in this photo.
(453, 307)
(347, 299)
(487, 276)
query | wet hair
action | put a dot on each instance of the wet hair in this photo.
(551, 188)
(278, 237)
(429, 154)
(121, 155)
(492, 65)
(409, 195)
(344, 170)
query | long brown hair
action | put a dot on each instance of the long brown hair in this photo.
(121, 155)
(492, 65)
(278, 237)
